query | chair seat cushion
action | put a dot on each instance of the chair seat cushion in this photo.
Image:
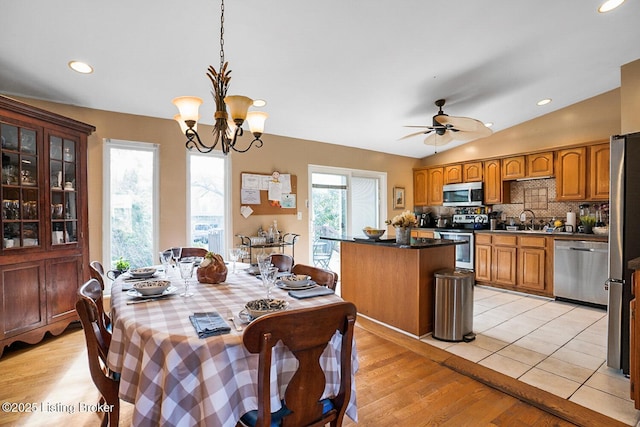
(251, 417)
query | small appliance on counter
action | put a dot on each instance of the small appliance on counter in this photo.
(424, 220)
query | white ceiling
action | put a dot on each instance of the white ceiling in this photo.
(348, 72)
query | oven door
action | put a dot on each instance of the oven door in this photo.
(464, 253)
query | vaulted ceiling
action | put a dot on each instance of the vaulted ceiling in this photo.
(348, 72)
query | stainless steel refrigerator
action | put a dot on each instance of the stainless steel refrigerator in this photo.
(624, 243)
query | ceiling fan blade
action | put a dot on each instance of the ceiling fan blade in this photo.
(435, 139)
(422, 132)
(465, 124)
(422, 127)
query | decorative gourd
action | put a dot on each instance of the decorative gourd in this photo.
(212, 269)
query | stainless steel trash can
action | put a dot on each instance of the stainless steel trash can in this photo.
(454, 305)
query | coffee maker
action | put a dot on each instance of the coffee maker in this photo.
(424, 220)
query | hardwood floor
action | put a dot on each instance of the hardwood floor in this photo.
(401, 382)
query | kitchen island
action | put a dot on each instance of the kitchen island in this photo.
(394, 284)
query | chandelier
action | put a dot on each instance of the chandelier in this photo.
(227, 125)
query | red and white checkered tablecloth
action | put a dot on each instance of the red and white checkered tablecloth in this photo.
(174, 378)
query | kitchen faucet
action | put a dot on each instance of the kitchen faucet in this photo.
(523, 217)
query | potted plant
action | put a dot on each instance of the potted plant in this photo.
(121, 266)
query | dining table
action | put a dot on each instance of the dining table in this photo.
(175, 378)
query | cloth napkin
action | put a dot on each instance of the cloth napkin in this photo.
(209, 324)
(312, 292)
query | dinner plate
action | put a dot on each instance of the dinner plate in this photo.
(310, 284)
(253, 270)
(135, 294)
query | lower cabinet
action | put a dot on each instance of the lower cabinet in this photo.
(38, 297)
(510, 261)
(422, 234)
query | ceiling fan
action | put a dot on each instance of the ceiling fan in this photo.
(445, 128)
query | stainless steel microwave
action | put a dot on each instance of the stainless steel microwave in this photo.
(467, 194)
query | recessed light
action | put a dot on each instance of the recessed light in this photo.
(259, 103)
(488, 124)
(80, 67)
(609, 5)
(544, 101)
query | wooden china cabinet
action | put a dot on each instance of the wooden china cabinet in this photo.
(44, 220)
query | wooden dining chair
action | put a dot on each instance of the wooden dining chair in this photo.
(282, 261)
(98, 339)
(306, 333)
(321, 276)
(193, 252)
(96, 271)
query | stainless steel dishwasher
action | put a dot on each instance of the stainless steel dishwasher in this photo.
(580, 271)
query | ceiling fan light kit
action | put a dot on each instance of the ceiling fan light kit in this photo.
(227, 125)
(445, 128)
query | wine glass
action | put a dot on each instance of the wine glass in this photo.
(165, 259)
(176, 254)
(269, 279)
(234, 255)
(186, 271)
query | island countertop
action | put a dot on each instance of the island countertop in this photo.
(394, 284)
(416, 243)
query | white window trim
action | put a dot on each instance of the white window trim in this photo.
(106, 192)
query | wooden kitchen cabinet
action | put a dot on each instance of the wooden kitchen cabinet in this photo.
(539, 165)
(513, 168)
(453, 174)
(571, 174)
(598, 180)
(515, 261)
(496, 191)
(420, 180)
(44, 221)
(421, 234)
(531, 262)
(472, 172)
(435, 181)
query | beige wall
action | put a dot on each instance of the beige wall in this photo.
(286, 155)
(594, 119)
(630, 97)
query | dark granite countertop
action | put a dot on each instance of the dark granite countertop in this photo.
(634, 264)
(556, 235)
(419, 243)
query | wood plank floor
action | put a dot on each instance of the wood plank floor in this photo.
(401, 382)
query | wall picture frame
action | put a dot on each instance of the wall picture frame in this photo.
(398, 198)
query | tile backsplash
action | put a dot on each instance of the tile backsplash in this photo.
(537, 195)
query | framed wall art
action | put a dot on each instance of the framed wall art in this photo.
(398, 198)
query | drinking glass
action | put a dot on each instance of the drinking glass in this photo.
(234, 255)
(176, 253)
(186, 271)
(269, 279)
(165, 259)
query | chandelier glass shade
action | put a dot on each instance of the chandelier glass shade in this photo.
(231, 111)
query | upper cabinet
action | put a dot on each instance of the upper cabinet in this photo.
(472, 172)
(435, 179)
(513, 168)
(495, 190)
(539, 165)
(571, 174)
(453, 174)
(420, 187)
(598, 181)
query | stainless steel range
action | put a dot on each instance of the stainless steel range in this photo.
(465, 224)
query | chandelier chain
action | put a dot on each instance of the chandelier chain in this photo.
(221, 34)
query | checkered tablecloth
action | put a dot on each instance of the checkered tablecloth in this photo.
(174, 378)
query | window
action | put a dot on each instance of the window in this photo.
(208, 201)
(130, 220)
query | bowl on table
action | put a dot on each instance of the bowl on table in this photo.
(151, 287)
(260, 307)
(295, 280)
(142, 273)
(373, 233)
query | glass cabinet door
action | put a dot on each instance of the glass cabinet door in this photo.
(20, 187)
(64, 212)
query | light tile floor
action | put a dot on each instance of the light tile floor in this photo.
(556, 346)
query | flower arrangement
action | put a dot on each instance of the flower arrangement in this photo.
(406, 219)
